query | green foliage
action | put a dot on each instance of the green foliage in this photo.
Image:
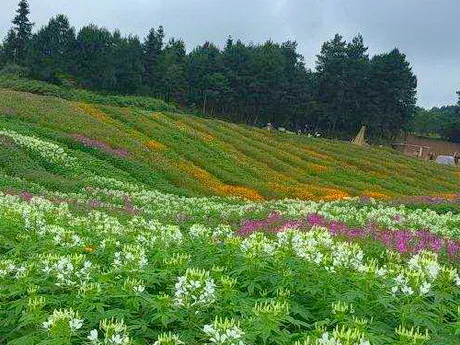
(19, 36)
(443, 122)
(21, 84)
(14, 71)
(152, 50)
(355, 91)
(52, 50)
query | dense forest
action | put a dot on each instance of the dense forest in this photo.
(249, 83)
(441, 122)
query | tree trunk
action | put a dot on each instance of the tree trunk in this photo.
(204, 103)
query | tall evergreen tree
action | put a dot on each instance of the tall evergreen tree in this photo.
(393, 94)
(128, 64)
(9, 47)
(451, 130)
(19, 37)
(356, 85)
(331, 66)
(173, 62)
(152, 50)
(297, 102)
(207, 83)
(95, 58)
(52, 50)
(237, 59)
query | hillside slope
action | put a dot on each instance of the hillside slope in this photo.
(188, 155)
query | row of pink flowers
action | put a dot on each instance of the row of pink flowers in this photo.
(88, 142)
(403, 240)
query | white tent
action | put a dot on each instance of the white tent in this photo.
(446, 160)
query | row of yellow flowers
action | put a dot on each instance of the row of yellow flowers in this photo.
(217, 186)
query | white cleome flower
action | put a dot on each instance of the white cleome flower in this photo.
(93, 335)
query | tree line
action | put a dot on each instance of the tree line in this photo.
(443, 122)
(249, 83)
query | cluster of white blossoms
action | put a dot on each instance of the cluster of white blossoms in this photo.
(194, 289)
(222, 232)
(63, 321)
(219, 233)
(419, 274)
(65, 238)
(70, 270)
(9, 269)
(319, 247)
(47, 150)
(258, 245)
(130, 258)
(199, 230)
(113, 333)
(224, 332)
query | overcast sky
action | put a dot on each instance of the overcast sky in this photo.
(427, 31)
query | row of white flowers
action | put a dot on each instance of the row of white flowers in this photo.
(47, 150)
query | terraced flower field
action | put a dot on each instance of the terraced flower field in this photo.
(188, 155)
(127, 226)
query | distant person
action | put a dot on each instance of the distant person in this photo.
(431, 156)
(456, 157)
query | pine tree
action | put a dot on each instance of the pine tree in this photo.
(331, 67)
(19, 38)
(9, 48)
(173, 62)
(393, 94)
(95, 58)
(207, 84)
(52, 50)
(453, 130)
(152, 51)
(128, 64)
(356, 85)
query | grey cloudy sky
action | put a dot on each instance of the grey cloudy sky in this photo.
(427, 31)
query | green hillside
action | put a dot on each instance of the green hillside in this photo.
(104, 238)
(144, 142)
